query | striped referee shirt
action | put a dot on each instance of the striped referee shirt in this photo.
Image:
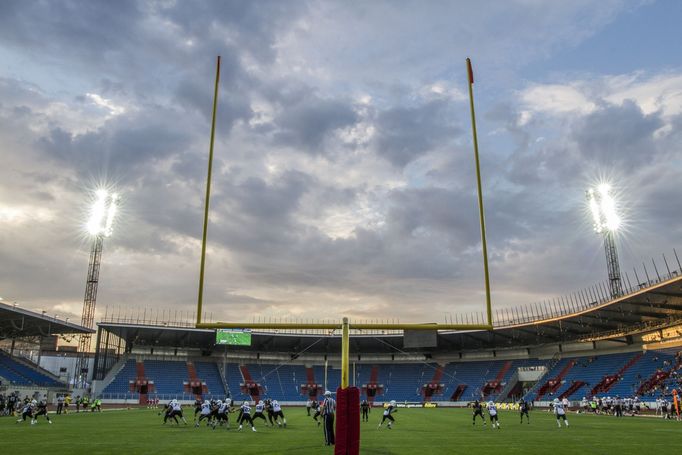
(329, 406)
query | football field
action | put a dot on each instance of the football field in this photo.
(417, 431)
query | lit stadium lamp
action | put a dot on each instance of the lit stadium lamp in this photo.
(99, 226)
(603, 208)
(606, 222)
(102, 214)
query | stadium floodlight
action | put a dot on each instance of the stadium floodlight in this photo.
(102, 214)
(603, 208)
(606, 222)
(99, 226)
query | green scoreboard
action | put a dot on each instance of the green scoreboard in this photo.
(234, 337)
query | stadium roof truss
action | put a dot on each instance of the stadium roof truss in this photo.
(17, 322)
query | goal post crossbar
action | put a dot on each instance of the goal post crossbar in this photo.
(332, 326)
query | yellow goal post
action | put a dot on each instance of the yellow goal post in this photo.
(345, 325)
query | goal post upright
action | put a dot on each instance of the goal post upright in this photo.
(345, 325)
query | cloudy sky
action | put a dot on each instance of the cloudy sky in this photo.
(344, 176)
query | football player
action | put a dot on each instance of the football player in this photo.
(560, 412)
(523, 409)
(277, 414)
(260, 407)
(478, 411)
(205, 412)
(364, 406)
(27, 411)
(175, 411)
(391, 409)
(41, 410)
(492, 413)
(246, 416)
(318, 411)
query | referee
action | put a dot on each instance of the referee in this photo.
(328, 410)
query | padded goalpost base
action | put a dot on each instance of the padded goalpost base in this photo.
(347, 421)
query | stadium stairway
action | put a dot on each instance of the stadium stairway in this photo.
(372, 389)
(119, 386)
(234, 380)
(434, 387)
(471, 374)
(141, 384)
(311, 389)
(209, 374)
(194, 385)
(552, 385)
(491, 387)
(609, 380)
(592, 370)
(572, 389)
(459, 391)
(662, 365)
(249, 386)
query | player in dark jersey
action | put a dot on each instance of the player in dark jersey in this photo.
(197, 408)
(41, 410)
(478, 411)
(11, 404)
(269, 410)
(27, 411)
(364, 406)
(523, 409)
(221, 411)
(318, 412)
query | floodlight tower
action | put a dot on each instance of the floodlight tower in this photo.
(99, 226)
(606, 223)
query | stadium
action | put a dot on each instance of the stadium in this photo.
(340, 249)
(602, 349)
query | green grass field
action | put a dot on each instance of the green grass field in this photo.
(417, 431)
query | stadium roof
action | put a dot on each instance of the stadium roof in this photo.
(640, 311)
(17, 322)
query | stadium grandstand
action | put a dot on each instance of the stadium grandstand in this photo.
(586, 345)
(24, 337)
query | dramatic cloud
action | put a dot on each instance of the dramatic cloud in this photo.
(343, 179)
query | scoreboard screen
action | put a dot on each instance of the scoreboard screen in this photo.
(233, 337)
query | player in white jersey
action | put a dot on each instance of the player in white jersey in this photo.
(246, 415)
(566, 403)
(260, 408)
(205, 412)
(391, 409)
(277, 414)
(560, 412)
(173, 411)
(220, 411)
(492, 412)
